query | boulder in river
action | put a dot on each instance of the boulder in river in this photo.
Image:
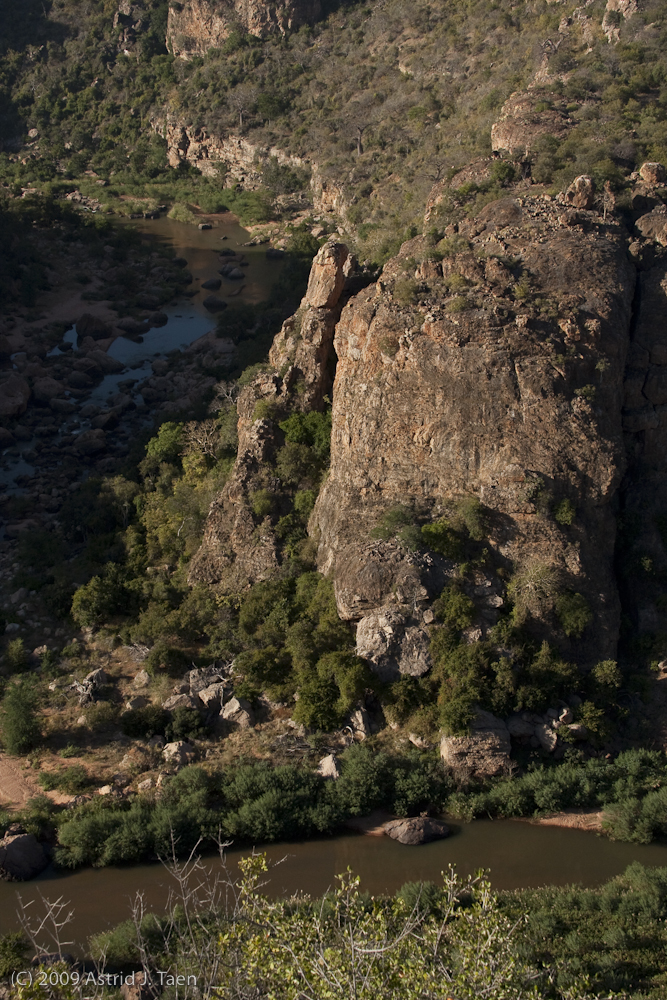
(21, 857)
(132, 326)
(108, 364)
(212, 285)
(214, 304)
(416, 830)
(93, 326)
(159, 319)
(46, 389)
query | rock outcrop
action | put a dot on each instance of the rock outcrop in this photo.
(195, 26)
(486, 394)
(485, 752)
(526, 116)
(239, 545)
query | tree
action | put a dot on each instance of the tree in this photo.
(242, 100)
(20, 725)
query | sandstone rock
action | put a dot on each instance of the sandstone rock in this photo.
(484, 752)
(14, 395)
(652, 173)
(21, 857)
(239, 713)
(581, 192)
(653, 225)
(393, 647)
(179, 753)
(328, 767)
(578, 731)
(91, 442)
(180, 701)
(546, 737)
(201, 677)
(136, 701)
(212, 696)
(142, 679)
(360, 723)
(416, 830)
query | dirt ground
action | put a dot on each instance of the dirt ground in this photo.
(16, 784)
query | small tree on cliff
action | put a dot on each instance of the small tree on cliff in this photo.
(20, 726)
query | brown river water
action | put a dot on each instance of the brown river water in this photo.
(518, 855)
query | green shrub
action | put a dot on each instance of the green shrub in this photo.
(565, 512)
(185, 724)
(143, 723)
(261, 503)
(13, 950)
(405, 291)
(574, 613)
(16, 656)
(21, 730)
(458, 304)
(168, 658)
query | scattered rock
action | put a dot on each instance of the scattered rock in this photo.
(238, 712)
(21, 857)
(360, 723)
(142, 679)
(416, 830)
(578, 731)
(91, 442)
(46, 389)
(212, 285)
(212, 696)
(546, 737)
(328, 767)
(92, 326)
(180, 701)
(180, 753)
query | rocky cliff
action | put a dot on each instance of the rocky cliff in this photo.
(195, 26)
(485, 387)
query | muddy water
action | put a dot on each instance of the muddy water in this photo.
(519, 855)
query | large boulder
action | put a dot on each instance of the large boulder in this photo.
(653, 225)
(652, 173)
(238, 712)
(416, 830)
(484, 752)
(327, 279)
(91, 442)
(328, 767)
(14, 396)
(180, 701)
(21, 857)
(581, 192)
(392, 646)
(46, 389)
(179, 753)
(92, 326)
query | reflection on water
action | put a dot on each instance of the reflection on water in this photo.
(519, 855)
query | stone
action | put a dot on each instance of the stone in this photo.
(180, 701)
(132, 326)
(21, 857)
(581, 192)
(484, 752)
(416, 830)
(214, 304)
(136, 701)
(239, 711)
(96, 678)
(212, 284)
(193, 28)
(105, 362)
(179, 753)
(91, 442)
(328, 767)
(652, 173)
(392, 647)
(14, 395)
(7, 439)
(653, 225)
(141, 679)
(546, 737)
(200, 677)
(327, 278)
(578, 731)
(45, 389)
(145, 785)
(518, 727)
(213, 695)
(359, 723)
(93, 326)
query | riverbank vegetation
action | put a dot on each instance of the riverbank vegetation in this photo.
(458, 938)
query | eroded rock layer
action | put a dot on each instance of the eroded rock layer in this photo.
(195, 26)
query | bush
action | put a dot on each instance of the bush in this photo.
(574, 613)
(185, 724)
(13, 951)
(143, 723)
(16, 656)
(21, 730)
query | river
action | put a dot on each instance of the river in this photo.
(518, 854)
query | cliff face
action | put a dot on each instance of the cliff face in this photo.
(195, 26)
(506, 393)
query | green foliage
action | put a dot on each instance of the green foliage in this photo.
(185, 724)
(565, 512)
(405, 291)
(13, 950)
(19, 722)
(16, 655)
(166, 445)
(574, 613)
(71, 780)
(330, 690)
(261, 503)
(143, 723)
